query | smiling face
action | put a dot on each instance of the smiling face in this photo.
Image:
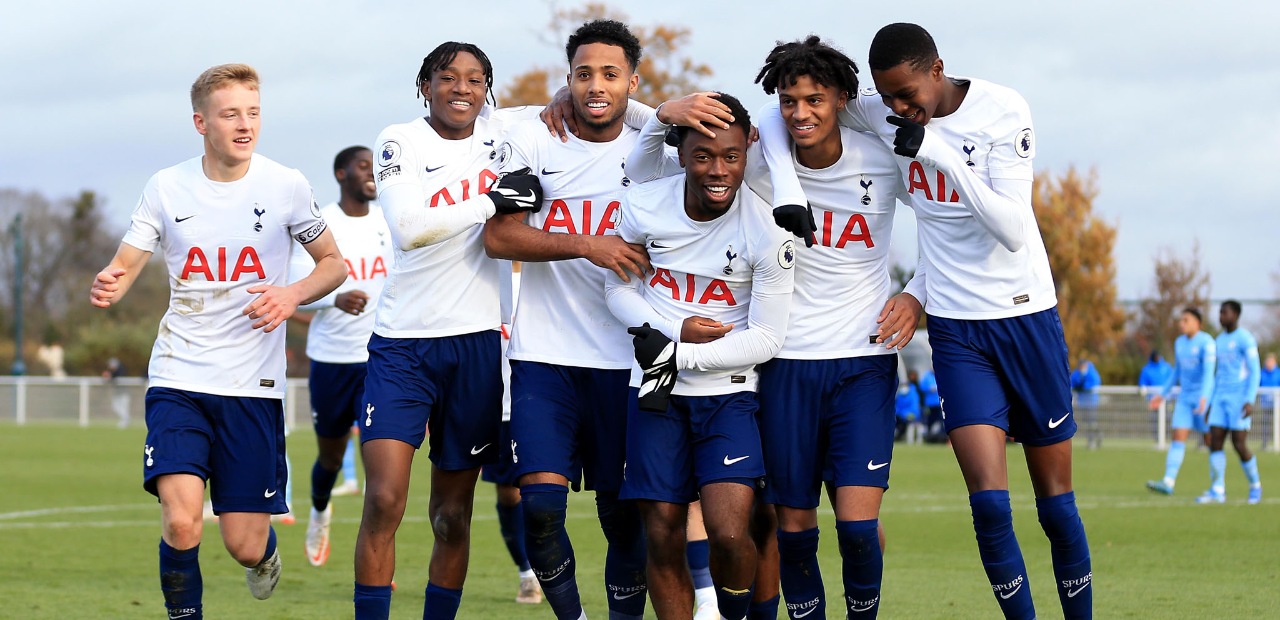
(713, 171)
(229, 120)
(912, 92)
(455, 95)
(600, 81)
(356, 178)
(809, 110)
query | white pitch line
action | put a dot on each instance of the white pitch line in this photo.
(44, 512)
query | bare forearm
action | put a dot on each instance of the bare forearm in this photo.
(510, 238)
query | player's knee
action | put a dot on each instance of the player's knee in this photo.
(184, 532)
(382, 504)
(544, 510)
(451, 524)
(330, 462)
(619, 520)
(729, 535)
(244, 552)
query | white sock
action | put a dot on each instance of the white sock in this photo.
(702, 596)
(527, 574)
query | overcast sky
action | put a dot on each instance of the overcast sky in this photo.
(1174, 104)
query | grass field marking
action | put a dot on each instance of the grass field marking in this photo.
(44, 512)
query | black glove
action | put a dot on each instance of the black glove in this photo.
(656, 355)
(909, 137)
(516, 192)
(672, 138)
(798, 221)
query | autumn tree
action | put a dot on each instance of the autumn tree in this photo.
(1179, 282)
(1080, 246)
(664, 72)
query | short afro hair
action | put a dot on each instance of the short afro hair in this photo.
(899, 43)
(741, 120)
(345, 156)
(609, 32)
(1232, 305)
(823, 64)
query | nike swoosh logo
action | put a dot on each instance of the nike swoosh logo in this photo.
(871, 465)
(180, 220)
(546, 172)
(624, 597)
(268, 494)
(1073, 593)
(728, 461)
(475, 450)
(805, 612)
(527, 197)
(658, 246)
(1015, 591)
(858, 610)
(430, 169)
(1059, 421)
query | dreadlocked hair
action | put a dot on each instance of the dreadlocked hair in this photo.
(823, 64)
(442, 55)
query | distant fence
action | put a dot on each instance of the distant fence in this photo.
(88, 401)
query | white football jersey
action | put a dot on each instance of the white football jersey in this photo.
(988, 140)
(735, 269)
(440, 285)
(334, 336)
(562, 317)
(843, 281)
(218, 240)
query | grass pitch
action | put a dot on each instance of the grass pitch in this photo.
(78, 538)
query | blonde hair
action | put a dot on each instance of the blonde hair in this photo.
(219, 77)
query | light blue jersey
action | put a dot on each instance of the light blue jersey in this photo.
(1193, 367)
(1239, 372)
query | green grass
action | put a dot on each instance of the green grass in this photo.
(88, 546)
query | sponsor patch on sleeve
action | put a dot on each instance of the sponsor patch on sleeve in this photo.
(386, 173)
(1024, 144)
(787, 254)
(389, 154)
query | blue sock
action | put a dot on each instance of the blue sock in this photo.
(349, 461)
(1173, 462)
(441, 603)
(863, 563)
(180, 581)
(321, 486)
(698, 554)
(1001, 557)
(1250, 468)
(1218, 471)
(511, 522)
(271, 544)
(548, 547)
(801, 576)
(1069, 547)
(624, 562)
(733, 604)
(765, 610)
(372, 602)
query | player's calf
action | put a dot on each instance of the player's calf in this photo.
(181, 582)
(1001, 556)
(1072, 566)
(624, 565)
(548, 547)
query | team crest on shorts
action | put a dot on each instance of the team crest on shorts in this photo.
(1025, 143)
(787, 254)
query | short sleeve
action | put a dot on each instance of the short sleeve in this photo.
(519, 150)
(305, 222)
(146, 223)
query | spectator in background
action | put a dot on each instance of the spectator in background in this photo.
(934, 432)
(1084, 387)
(1270, 379)
(908, 407)
(1154, 375)
(119, 395)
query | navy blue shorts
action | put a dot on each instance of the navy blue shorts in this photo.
(449, 386)
(697, 441)
(1009, 373)
(235, 443)
(337, 397)
(502, 472)
(827, 420)
(570, 421)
